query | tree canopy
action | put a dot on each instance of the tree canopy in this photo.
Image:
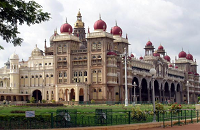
(17, 12)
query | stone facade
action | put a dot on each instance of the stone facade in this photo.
(90, 66)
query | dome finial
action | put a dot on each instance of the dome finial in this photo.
(66, 19)
(116, 22)
(126, 36)
(99, 16)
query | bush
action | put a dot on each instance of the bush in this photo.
(92, 101)
(53, 101)
(176, 108)
(32, 100)
(138, 115)
(44, 101)
(159, 108)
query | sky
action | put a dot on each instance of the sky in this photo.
(174, 24)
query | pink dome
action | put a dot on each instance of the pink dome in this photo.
(149, 43)
(100, 24)
(132, 55)
(190, 72)
(189, 57)
(176, 67)
(182, 54)
(170, 65)
(66, 28)
(167, 58)
(160, 47)
(196, 74)
(111, 53)
(141, 57)
(116, 30)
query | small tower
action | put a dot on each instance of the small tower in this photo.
(149, 49)
(14, 73)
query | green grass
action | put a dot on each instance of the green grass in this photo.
(82, 108)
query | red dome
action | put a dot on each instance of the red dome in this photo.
(189, 57)
(196, 74)
(160, 47)
(132, 55)
(182, 54)
(156, 54)
(116, 30)
(100, 24)
(190, 72)
(176, 67)
(66, 28)
(170, 65)
(149, 43)
(111, 53)
(167, 58)
(141, 57)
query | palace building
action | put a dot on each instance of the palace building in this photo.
(85, 66)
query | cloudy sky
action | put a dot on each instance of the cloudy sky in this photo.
(175, 24)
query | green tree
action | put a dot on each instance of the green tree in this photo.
(18, 12)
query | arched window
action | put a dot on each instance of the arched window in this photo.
(22, 77)
(99, 90)
(99, 45)
(60, 74)
(47, 75)
(95, 90)
(85, 73)
(65, 74)
(26, 76)
(80, 73)
(94, 57)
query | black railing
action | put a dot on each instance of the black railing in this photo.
(101, 117)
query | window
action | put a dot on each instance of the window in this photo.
(95, 90)
(85, 58)
(80, 58)
(22, 77)
(80, 73)
(99, 90)
(99, 46)
(26, 76)
(49, 63)
(99, 56)
(40, 63)
(85, 73)
(40, 76)
(45, 63)
(94, 46)
(51, 75)
(36, 76)
(47, 75)
(64, 59)
(65, 74)
(60, 74)
(94, 57)
(32, 76)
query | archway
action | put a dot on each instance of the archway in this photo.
(172, 92)
(136, 90)
(166, 91)
(37, 95)
(67, 95)
(144, 91)
(81, 94)
(61, 95)
(72, 94)
(178, 94)
(156, 90)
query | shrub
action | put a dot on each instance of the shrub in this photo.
(138, 115)
(159, 108)
(44, 101)
(53, 101)
(92, 101)
(176, 108)
(32, 100)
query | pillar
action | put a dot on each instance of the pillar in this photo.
(160, 95)
(170, 95)
(85, 94)
(56, 93)
(68, 95)
(76, 94)
(148, 95)
(140, 94)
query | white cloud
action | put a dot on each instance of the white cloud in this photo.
(172, 23)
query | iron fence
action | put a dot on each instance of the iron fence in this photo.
(64, 118)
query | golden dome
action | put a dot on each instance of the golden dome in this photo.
(79, 23)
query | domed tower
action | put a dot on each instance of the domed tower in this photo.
(149, 49)
(79, 29)
(161, 50)
(14, 73)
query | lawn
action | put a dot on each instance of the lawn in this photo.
(6, 110)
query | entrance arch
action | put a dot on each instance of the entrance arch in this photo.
(172, 92)
(166, 90)
(178, 94)
(144, 91)
(81, 94)
(72, 94)
(37, 95)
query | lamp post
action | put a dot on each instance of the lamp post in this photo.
(188, 91)
(134, 85)
(153, 72)
(125, 58)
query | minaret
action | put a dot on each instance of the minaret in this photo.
(79, 29)
(14, 73)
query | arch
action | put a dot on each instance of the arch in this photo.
(166, 91)
(178, 94)
(37, 95)
(135, 79)
(156, 90)
(81, 94)
(61, 95)
(144, 90)
(100, 94)
(72, 94)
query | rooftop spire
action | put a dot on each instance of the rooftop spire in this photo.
(99, 16)
(66, 19)
(116, 22)
(88, 29)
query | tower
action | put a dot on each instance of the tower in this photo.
(79, 29)
(14, 73)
